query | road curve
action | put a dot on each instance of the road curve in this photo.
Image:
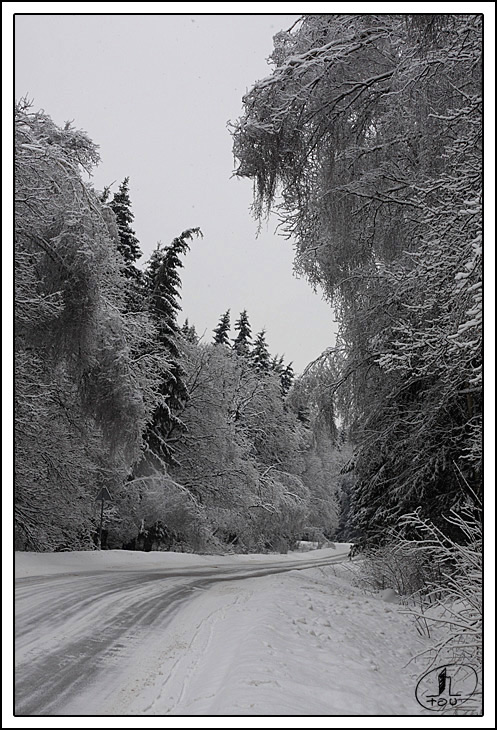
(71, 629)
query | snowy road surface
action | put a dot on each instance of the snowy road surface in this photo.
(120, 633)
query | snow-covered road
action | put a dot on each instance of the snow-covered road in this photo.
(122, 633)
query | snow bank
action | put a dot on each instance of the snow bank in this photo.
(39, 564)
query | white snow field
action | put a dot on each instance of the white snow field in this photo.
(129, 633)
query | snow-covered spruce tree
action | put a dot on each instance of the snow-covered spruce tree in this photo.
(150, 484)
(241, 343)
(162, 284)
(370, 130)
(222, 330)
(285, 373)
(259, 355)
(277, 363)
(129, 246)
(81, 398)
(287, 377)
(189, 332)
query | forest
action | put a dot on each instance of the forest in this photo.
(202, 446)
(366, 141)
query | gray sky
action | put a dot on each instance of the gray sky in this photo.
(155, 92)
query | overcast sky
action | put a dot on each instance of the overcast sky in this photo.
(155, 92)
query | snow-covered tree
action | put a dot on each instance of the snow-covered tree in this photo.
(120, 216)
(243, 456)
(163, 282)
(259, 354)
(222, 330)
(241, 344)
(128, 246)
(286, 378)
(277, 363)
(369, 131)
(189, 332)
(82, 399)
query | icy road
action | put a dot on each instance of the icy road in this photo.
(120, 633)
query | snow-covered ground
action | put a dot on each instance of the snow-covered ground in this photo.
(126, 633)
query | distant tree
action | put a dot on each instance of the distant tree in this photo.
(259, 354)
(286, 378)
(241, 344)
(189, 332)
(222, 330)
(277, 364)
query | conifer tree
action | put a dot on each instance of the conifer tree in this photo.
(260, 354)
(189, 332)
(242, 340)
(163, 283)
(277, 364)
(128, 245)
(222, 330)
(286, 378)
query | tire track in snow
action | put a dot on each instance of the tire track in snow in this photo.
(75, 647)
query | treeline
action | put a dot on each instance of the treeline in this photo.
(201, 446)
(367, 139)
